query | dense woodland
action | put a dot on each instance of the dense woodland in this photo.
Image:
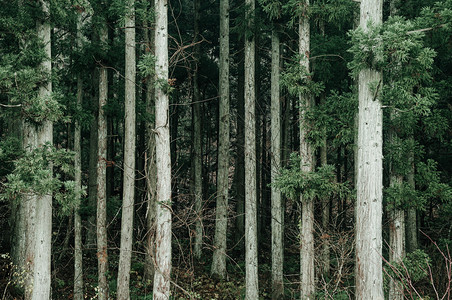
(225, 149)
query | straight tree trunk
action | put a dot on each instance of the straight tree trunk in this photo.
(197, 147)
(369, 181)
(411, 216)
(221, 220)
(239, 176)
(161, 288)
(276, 205)
(252, 288)
(151, 172)
(102, 255)
(78, 257)
(43, 223)
(307, 165)
(125, 255)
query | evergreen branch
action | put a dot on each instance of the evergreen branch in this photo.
(10, 105)
(426, 29)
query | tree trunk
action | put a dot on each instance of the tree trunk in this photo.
(307, 165)
(163, 157)
(42, 236)
(102, 256)
(78, 257)
(411, 216)
(221, 220)
(252, 289)
(197, 147)
(151, 179)
(129, 156)
(369, 183)
(276, 207)
(239, 176)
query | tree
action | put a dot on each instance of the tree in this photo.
(276, 204)
(252, 288)
(78, 246)
(306, 164)
(102, 255)
(129, 156)
(369, 183)
(163, 156)
(197, 147)
(42, 236)
(219, 254)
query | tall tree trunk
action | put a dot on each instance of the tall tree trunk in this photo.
(252, 288)
(102, 255)
(276, 206)
(129, 156)
(78, 257)
(151, 172)
(411, 216)
(197, 147)
(221, 220)
(43, 224)
(239, 176)
(369, 183)
(163, 157)
(307, 165)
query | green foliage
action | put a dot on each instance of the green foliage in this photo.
(429, 183)
(43, 171)
(297, 80)
(10, 150)
(293, 181)
(403, 196)
(146, 65)
(413, 268)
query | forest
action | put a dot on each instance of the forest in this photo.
(225, 149)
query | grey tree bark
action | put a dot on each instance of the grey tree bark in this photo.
(102, 255)
(307, 165)
(276, 205)
(125, 255)
(151, 179)
(369, 183)
(197, 147)
(78, 247)
(161, 288)
(221, 220)
(252, 288)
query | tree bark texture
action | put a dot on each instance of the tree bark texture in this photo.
(78, 257)
(197, 147)
(276, 205)
(221, 220)
(43, 223)
(252, 289)
(307, 165)
(161, 288)
(129, 156)
(369, 183)
(151, 171)
(101, 223)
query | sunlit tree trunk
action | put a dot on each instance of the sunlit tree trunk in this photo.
(307, 165)
(197, 150)
(161, 288)
(276, 205)
(251, 264)
(78, 258)
(102, 255)
(129, 156)
(221, 220)
(369, 182)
